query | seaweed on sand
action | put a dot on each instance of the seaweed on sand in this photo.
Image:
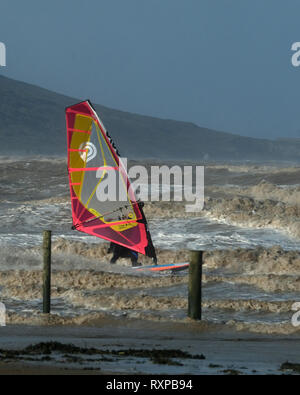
(69, 350)
(295, 367)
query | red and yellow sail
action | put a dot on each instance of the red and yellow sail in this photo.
(91, 157)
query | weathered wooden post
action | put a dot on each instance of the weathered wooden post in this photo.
(195, 286)
(47, 271)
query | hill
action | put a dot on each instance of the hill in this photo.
(32, 122)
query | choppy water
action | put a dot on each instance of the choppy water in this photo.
(23, 217)
(22, 225)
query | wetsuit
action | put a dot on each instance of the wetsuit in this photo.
(122, 252)
(150, 250)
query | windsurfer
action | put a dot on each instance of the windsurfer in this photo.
(90, 149)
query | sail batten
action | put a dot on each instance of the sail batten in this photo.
(92, 155)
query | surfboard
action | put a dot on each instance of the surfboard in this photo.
(170, 266)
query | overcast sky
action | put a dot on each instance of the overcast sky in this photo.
(223, 64)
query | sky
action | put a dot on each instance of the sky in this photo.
(222, 64)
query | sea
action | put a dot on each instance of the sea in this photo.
(34, 197)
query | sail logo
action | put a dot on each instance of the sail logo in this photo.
(112, 144)
(2, 314)
(296, 316)
(2, 55)
(89, 153)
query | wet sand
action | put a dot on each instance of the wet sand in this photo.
(13, 369)
(225, 352)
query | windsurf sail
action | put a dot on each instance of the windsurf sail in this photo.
(92, 158)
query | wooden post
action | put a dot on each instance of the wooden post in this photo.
(46, 271)
(195, 286)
